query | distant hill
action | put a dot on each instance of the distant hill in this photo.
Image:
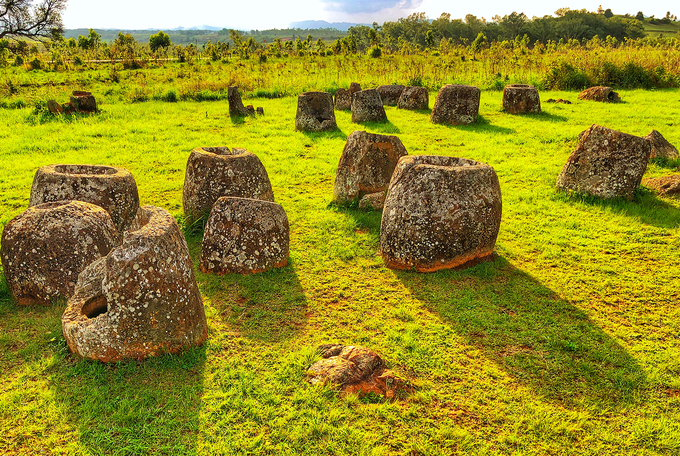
(342, 26)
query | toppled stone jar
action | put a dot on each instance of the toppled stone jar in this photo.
(440, 213)
(456, 104)
(315, 112)
(367, 107)
(245, 236)
(599, 93)
(661, 148)
(366, 165)
(109, 187)
(521, 99)
(46, 247)
(606, 163)
(389, 94)
(140, 300)
(213, 172)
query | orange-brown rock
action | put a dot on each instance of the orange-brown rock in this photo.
(660, 147)
(367, 106)
(389, 94)
(606, 163)
(374, 201)
(140, 300)
(213, 172)
(245, 236)
(456, 104)
(315, 112)
(440, 213)
(109, 187)
(414, 98)
(666, 185)
(83, 102)
(521, 99)
(45, 248)
(366, 165)
(355, 370)
(599, 93)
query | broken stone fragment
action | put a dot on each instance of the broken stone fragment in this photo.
(456, 104)
(54, 107)
(245, 236)
(521, 99)
(660, 147)
(236, 108)
(666, 185)
(315, 112)
(46, 247)
(140, 300)
(367, 106)
(440, 213)
(599, 93)
(213, 172)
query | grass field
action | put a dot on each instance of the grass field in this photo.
(567, 343)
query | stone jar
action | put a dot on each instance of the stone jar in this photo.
(456, 105)
(367, 107)
(315, 112)
(521, 99)
(414, 98)
(83, 102)
(599, 93)
(389, 94)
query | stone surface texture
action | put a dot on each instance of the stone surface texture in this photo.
(440, 213)
(46, 247)
(389, 94)
(366, 165)
(354, 87)
(521, 99)
(599, 93)
(140, 300)
(213, 172)
(456, 105)
(605, 163)
(660, 147)
(343, 100)
(236, 108)
(315, 112)
(367, 107)
(374, 201)
(666, 185)
(83, 102)
(245, 236)
(356, 370)
(112, 188)
(414, 98)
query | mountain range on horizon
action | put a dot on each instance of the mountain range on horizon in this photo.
(310, 24)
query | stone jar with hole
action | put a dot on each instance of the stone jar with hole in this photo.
(600, 93)
(367, 107)
(440, 213)
(109, 187)
(245, 236)
(521, 99)
(315, 112)
(456, 104)
(606, 163)
(213, 172)
(366, 165)
(140, 300)
(46, 247)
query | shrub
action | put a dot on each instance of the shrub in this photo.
(77, 60)
(18, 60)
(35, 64)
(566, 77)
(170, 96)
(375, 52)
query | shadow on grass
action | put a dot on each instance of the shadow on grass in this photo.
(335, 133)
(385, 128)
(544, 116)
(482, 126)
(531, 333)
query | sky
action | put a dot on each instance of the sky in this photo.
(266, 14)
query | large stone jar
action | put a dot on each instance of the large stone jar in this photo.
(141, 300)
(389, 94)
(315, 112)
(46, 247)
(109, 187)
(367, 106)
(440, 213)
(521, 99)
(213, 172)
(456, 105)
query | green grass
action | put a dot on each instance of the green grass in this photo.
(567, 343)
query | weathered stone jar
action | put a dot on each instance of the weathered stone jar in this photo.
(46, 247)
(521, 99)
(440, 213)
(456, 105)
(661, 148)
(367, 107)
(213, 172)
(83, 102)
(140, 300)
(315, 112)
(366, 165)
(600, 93)
(389, 94)
(414, 98)
(606, 163)
(236, 108)
(245, 236)
(109, 187)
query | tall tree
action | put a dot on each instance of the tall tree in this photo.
(23, 18)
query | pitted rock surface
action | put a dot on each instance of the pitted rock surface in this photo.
(140, 300)
(389, 94)
(45, 248)
(456, 104)
(599, 93)
(236, 108)
(606, 163)
(83, 102)
(374, 201)
(660, 147)
(440, 213)
(213, 172)
(354, 369)
(521, 98)
(109, 187)
(414, 98)
(315, 112)
(354, 87)
(666, 185)
(343, 100)
(245, 236)
(367, 107)
(366, 165)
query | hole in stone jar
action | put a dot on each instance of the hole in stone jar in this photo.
(519, 85)
(218, 150)
(85, 169)
(95, 307)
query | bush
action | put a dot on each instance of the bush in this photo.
(77, 60)
(170, 96)
(18, 60)
(566, 77)
(375, 52)
(35, 64)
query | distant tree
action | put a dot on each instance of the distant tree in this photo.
(639, 16)
(478, 44)
(23, 18)
(159, 40)
(90, 42)
(608, 13)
